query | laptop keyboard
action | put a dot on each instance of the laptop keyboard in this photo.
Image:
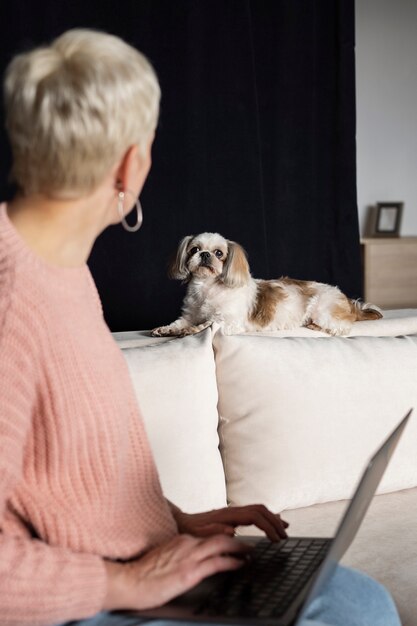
(268, 584)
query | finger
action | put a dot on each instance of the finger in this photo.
(208, 556)
(188, 577)
(216, 564)
(250, 514)
(264, 520)
(245, 515)
(274, 519)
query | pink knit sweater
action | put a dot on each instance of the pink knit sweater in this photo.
(77, 478)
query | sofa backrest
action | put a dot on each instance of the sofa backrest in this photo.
(297, 417)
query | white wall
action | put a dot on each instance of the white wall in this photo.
(386, 100)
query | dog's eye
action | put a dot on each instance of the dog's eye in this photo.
(218, 254)
(194, 250)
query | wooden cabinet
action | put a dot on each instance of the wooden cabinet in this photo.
(390, 271)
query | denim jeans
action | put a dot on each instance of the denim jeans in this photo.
(350, 598)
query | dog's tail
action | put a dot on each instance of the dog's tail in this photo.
(365, 310)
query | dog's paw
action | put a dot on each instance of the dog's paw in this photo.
(193, 330)
(164, 331)
(338, 331)
(186, 332)
(313, 326)
(331, 325)
(177, 331)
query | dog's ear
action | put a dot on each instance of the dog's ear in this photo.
(177, 268)
(236, 271)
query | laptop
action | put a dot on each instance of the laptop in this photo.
(281, 580)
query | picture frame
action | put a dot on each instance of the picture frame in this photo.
(388, 219)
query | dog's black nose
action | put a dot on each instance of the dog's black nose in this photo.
(205, 256)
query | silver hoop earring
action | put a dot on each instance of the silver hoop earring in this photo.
(121, 211)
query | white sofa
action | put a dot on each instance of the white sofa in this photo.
(289, 420)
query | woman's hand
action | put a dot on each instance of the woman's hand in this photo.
(225, 521)
(169, 570)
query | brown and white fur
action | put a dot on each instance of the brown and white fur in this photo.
(221, 289)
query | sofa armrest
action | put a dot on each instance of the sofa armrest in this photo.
(175, 384)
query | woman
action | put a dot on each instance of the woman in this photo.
(84, 525)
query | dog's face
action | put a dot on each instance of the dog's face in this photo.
(206, 254)
(209, 255)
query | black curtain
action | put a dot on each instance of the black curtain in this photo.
(256, 139)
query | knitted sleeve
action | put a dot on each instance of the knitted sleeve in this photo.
(39, 583)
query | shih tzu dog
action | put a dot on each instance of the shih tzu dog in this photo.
(221, 289)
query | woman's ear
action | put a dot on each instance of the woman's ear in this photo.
(133, 168)
(177, 268)
(236, 272)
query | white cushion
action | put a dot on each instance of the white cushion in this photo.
(299, 417)
(175, 383)
(394, 322)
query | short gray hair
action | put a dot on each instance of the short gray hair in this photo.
(73, 108)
